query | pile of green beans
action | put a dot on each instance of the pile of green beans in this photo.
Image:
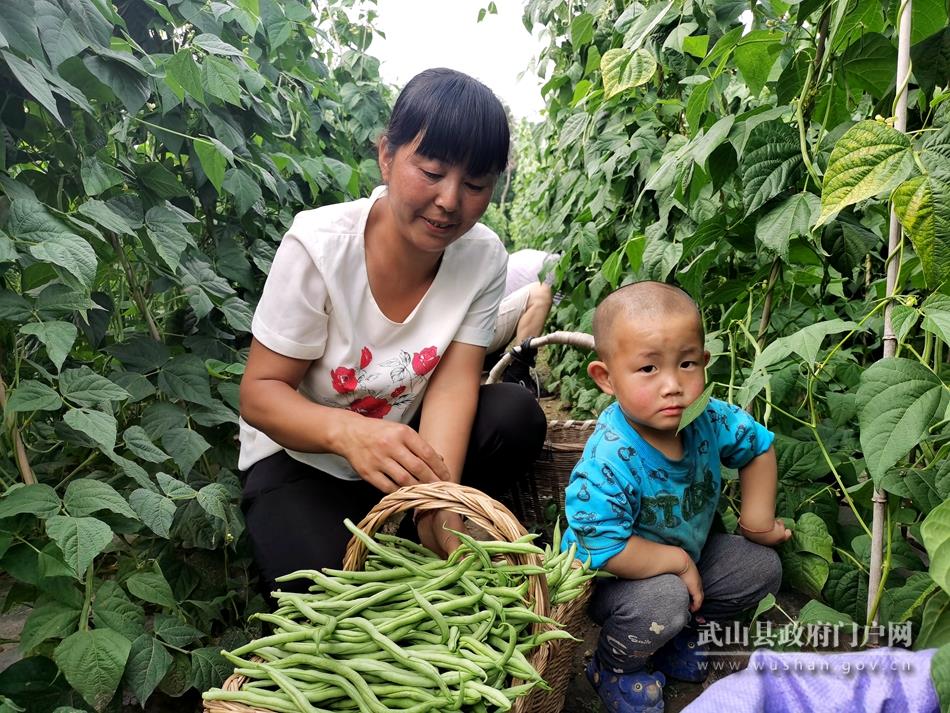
(409, 633)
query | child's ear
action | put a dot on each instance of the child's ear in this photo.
(705, 358)
(599, 372)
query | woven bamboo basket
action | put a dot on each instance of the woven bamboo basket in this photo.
(552, 660)
(563, 444)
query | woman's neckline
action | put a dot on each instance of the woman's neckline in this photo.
(378, 193)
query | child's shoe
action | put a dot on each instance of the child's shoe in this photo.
(638, 692)
(683, 657)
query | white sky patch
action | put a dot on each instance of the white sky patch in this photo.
(444, 33)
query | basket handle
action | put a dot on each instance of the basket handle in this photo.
(468, 502)
(581, 340)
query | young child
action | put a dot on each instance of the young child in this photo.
(642, 498)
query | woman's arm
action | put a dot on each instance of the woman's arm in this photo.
(448, 412)
(385, 454)
(448, 409)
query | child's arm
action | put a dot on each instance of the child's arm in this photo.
(758, 483)
(643, 558)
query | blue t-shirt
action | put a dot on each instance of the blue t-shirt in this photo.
(623, 486)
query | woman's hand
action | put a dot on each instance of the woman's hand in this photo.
(390, 455)
(694, 584)
(433, 527)
(768, 537)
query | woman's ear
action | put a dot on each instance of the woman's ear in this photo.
(385, 158)
(598, 371)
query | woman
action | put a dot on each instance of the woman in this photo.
(363, 374)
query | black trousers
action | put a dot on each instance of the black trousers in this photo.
(294, 512)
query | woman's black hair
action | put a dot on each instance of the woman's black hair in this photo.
(460, 120)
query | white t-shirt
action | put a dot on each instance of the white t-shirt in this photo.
(317, 305)
(525, 267)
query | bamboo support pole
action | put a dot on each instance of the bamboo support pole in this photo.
(890, 339)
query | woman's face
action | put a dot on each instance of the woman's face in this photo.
(433, 203)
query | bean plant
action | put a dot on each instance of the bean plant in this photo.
(743, 152)
(152, 153)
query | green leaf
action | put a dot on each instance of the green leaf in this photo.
(870, 65)
(86, 387)
(582, 30)
(105, 216)
(32, 395)
(243, 188)
(755, 54)
(214, 500)
(814, 612)
(897, 400)
(940, 675)
(50, 620)
(18, 27)
(935, 532)
(622, 70)
(33, 82)
(98, 177)
(215, 45)
(692, 412)
(81, 539)
(174, 488)
(805, 342)
(646, 21)
(764, 605)
(99, 426)
(131, 469)
(137, 441)
(57, 337)
(35, 499)
(128, 84)
(182, 73)
(156, 511)
(172, 630)
(792, 217)
(220, 78)
(935, 622)
(811, 535)
(208, 668)
(71, 253)
(238, 313)
(213, 157)
(696, 106)
(921, 205)
(870, 158)
(771, 161)
(168, 234)
(186, 447)
(805, 571)
(936, 311)
(58, 33)
(185, 377)
(86, 496)
(112, 608)
(157, 179)
(152, 587)
(903, 603)
(147, 665)
(93, 661)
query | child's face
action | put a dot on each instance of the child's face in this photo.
(655, 368)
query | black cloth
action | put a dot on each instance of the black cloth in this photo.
(294, 512)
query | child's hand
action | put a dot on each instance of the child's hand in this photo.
(776, 536)
(694, 585)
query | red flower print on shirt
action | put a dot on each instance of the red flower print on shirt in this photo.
(343, 379)
(366, 356)
(425, 361)
(371, 406)
(398, 391)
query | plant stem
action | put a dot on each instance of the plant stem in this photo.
(767, 305)
(22, 460)
(136, 292)
(87, 602)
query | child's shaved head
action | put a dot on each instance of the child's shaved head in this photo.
(640, 300)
